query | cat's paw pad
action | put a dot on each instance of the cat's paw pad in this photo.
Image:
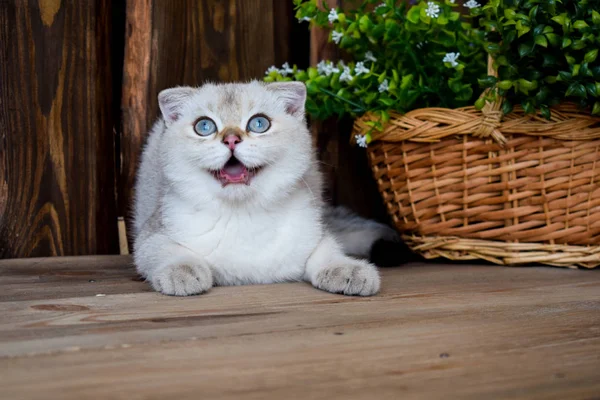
(354, 277)
(182, 279)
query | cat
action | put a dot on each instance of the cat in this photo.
(229, 192)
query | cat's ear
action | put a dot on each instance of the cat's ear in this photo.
(171, 101)
(293, 94)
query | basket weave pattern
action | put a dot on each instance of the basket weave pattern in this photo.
(462, 184)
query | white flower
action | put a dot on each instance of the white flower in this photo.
(272, 68)
(286, 69)
(369, 56)
(384, 86)
(333, 16)
(305, 19)
(433, 10)
(451, 58)
(326, 68)
(346, 76)
(360, 68)
(451, 1)
(321, 67)
(472, 4)
(336, 36)
(361, 140)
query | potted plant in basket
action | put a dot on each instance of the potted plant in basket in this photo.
(498, 162)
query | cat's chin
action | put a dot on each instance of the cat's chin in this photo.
(234, 172)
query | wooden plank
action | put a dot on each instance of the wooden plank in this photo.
(134, 100)
(56, 147)
(208, 40)
(434, 332)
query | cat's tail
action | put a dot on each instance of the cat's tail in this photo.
(356, 234)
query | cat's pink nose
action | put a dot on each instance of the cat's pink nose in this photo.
(231, 141)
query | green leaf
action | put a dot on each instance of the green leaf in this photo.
(541, 40)
(579, 44)
(527, 85)
(590, 56)
(505, 85)
(479, 104)
(510, 36)
(414, 14)
(591, 89)
(507, 107)
(595, 17)
(596, 109)
(560, 19)
(564, 76)
(509, 13)
(553, 38)
(312, 73)
(545, 111)
(525, 49)
(385, 116)
(445, 37)
(522, 29)
(566, 42)
(528, 106)
(488, 81)
(580, 24)
(576, 89)
(492, 47)
(364, 23)
(312, 87)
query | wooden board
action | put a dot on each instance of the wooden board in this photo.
(56, 141)
(473, 332)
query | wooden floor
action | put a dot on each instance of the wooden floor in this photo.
(80, 328)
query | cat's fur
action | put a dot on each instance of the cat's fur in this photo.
(192, 233)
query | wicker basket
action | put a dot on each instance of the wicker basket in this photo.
(515, 189)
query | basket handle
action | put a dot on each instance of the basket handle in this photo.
(492, 114)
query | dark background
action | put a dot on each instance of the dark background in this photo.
(78, 86)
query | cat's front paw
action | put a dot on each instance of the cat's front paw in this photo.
(182, 279)
(353, 277)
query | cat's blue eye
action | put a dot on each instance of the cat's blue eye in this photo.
(259, 124)
(205, 127)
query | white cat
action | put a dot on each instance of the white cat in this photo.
(229, 193)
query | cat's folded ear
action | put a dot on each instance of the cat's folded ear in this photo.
(171, 102)
(293, 94)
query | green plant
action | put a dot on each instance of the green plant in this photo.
(546, 52)
(402, 57)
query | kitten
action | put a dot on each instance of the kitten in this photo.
(229, 193)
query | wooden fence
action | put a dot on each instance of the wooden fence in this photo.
(78, 86)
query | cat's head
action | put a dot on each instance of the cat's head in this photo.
(236, 142)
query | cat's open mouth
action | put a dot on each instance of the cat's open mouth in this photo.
(234, 171)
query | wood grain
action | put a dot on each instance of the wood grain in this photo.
(56, 147)
(435, 331)
(134, 99)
